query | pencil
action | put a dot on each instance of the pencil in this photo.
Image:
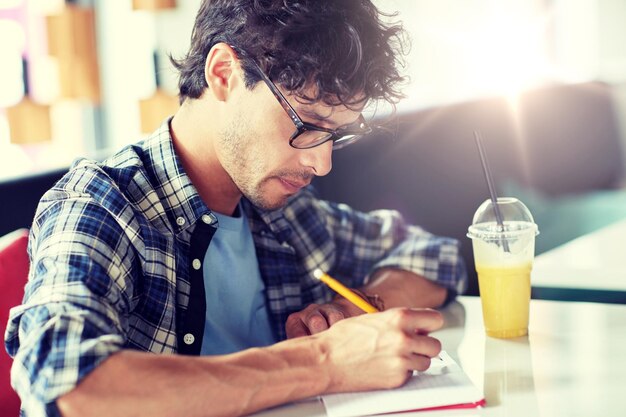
(344, 291)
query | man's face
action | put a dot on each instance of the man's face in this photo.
(255, 152)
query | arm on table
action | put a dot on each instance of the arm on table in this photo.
(412, 268)
(371, 351)
(399, 288)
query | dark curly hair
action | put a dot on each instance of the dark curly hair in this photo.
(340, 47)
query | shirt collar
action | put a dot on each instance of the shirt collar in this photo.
(179, 197)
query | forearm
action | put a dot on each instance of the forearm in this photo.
(399, 288)
(137, 383)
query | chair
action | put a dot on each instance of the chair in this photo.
(14, 266)
(25, 192)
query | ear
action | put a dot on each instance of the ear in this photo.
(222, 71)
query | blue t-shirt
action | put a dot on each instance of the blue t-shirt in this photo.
(236, 314)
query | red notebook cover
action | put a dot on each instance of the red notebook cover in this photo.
(443, 386)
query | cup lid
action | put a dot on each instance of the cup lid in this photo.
(516, 218)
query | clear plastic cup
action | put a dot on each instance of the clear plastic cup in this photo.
(504, 257)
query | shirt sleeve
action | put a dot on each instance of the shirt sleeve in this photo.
(76, 301)
(365, 242)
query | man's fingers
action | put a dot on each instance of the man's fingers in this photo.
(316, 322)
(295, 327)
(332, 314)
(424, 346)
(413, 320)
(313, 319)
(418, 362)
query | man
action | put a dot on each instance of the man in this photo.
(202, 240)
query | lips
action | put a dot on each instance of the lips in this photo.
(293, 185)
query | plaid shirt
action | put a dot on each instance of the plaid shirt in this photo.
(112, 250)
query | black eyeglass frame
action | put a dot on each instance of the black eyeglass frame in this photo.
(301, 126)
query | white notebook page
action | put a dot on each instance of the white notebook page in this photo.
(443, 384)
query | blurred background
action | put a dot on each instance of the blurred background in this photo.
(543, 80)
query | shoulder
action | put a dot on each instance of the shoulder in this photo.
(105, 183)
(93, 193)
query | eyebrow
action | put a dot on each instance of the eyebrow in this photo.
(314, 115)
(320, 118)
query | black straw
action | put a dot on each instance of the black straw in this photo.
(492, 190)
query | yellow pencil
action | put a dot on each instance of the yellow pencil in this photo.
(344, 291)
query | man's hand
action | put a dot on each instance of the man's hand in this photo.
(398, 288)
(370, 351)
(316, 318)
(380, 350)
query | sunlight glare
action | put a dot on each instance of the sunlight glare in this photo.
(509, 54)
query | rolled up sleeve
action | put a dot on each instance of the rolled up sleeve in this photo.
(73, 315)
(366, 242)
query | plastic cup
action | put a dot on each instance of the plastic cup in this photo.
(504, 268)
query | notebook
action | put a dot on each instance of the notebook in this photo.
(443, 385)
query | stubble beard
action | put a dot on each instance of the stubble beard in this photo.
(241, 160)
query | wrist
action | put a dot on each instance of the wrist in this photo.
(321, 349)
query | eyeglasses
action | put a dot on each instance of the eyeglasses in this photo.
(308, 135)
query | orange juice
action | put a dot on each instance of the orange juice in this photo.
(503, 237)
(505, 297)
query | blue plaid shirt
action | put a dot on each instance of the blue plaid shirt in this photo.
(112, 251)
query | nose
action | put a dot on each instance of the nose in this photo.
(318, 158)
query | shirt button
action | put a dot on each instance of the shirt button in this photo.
(196, 264)
(209, 218)
(188, 339)
(180, 221)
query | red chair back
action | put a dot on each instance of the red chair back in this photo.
(13, 276)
